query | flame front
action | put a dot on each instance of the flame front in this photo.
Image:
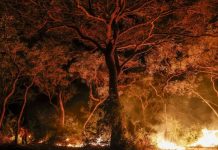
(209, 138)
(68, 143)
(164, 144)
(169, 145)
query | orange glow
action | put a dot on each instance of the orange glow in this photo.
(164, 144)
(69, 145)
(209, 138)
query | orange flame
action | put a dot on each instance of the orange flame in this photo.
(209, 138)
(164, 144)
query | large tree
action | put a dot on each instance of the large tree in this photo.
(124, 32)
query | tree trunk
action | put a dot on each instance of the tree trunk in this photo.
(22, 111)
(6, 101)
(114, 108)
(62, 111)
(61, 121)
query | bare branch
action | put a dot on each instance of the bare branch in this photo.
(50, 100)
(92, 113)
(32, 1)
(7, 99)
(136, 8)
(39, 34)
(170, 78)
(88, 14)
(91, 96)
(207, 72)
(133, 56)
(150, 22)
(135, 45)
(214, 87)
(156, 92)
(85, 37)
(113, 19)
(205, 101)
(133, 27)
(186, 35)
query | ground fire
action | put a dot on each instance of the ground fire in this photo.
(208, 139)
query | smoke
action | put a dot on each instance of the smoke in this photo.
(181, 117)
(186, 115)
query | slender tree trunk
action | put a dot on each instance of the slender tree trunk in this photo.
(50, 101)
(22, 111)
(6, 101)
(115, 109)
(62, 111)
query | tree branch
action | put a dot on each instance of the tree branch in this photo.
(88, 14)
(133, 56)
(85, 37)
(117, 62)
(92, 113)
(206, 101)
(40, 33)
(214, 86)
(151, 22)
(186, 35)
(136, 7)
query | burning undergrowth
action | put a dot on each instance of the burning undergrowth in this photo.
(184, 116)
(177, 119)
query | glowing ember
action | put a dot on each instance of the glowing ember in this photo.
(100, 142)
(43, 140)
(69, 145)
(59, 144)
(75, 145)
(209, 139)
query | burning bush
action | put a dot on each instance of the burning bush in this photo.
(181, 134)
(8, 131)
